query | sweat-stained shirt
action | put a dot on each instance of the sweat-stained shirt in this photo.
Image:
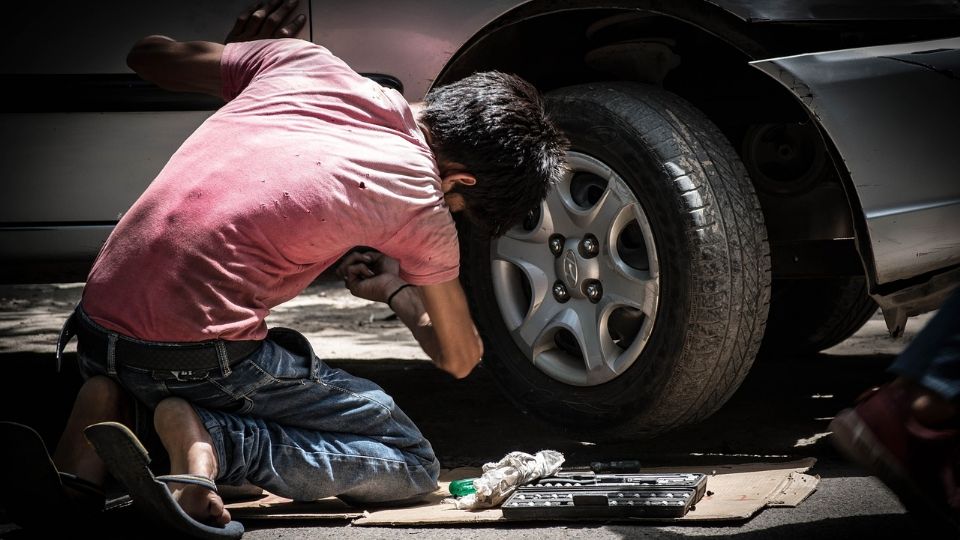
(305, 160)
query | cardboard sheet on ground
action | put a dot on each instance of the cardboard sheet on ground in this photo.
(735, 492)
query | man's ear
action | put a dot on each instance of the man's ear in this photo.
(451, 179)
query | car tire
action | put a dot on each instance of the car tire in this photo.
(682, 245)
(810, 315)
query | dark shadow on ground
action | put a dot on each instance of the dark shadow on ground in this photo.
(780, 412)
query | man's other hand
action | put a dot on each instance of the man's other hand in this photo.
(271, 19)
(371, 276)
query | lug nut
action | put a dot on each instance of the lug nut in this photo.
(593, 290)
(556, 244)
(560, 292)
(589, 247)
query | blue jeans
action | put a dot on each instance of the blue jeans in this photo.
(933, 357)
(287, 422)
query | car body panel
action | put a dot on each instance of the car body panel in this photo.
(54, 243)
(61, 36)
(418, 38)
(838, 10)
(892, 113)
(413, 44)
(72, 160)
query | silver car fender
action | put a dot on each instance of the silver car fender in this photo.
(892, 115)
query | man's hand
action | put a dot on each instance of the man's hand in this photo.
(267, 20)
(437, 314)
(371, 276)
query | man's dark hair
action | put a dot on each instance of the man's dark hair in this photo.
(495, 125)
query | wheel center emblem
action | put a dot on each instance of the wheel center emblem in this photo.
(570, 268)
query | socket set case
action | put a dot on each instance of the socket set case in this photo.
(590, 495)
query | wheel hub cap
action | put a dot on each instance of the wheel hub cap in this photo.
(578, 287)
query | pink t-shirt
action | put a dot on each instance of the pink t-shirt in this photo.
(305, 160)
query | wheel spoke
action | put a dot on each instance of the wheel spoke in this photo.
(542, 318)
(599, 351)
(534, 259)
(599, 217)
(524, 251)
(541, 230)
(630, 288)
(556, 212)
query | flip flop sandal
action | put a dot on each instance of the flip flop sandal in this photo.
(128, 461)
(33, 488)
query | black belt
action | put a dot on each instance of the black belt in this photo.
(155, 356)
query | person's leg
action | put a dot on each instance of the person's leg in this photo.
(191, 451)
(306, 465)
(906, 432)
(930, 366)
(292, 425)
(100, 400)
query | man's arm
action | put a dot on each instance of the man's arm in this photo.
(440, 321)
(194, 66)
(460, 345)
(180, 66)
(437, 315)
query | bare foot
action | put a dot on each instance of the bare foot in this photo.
(191, 452)
(200, 503)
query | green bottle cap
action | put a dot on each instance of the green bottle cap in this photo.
(464, 486)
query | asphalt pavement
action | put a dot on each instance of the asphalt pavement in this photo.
(779, 414)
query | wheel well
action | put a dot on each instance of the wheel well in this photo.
(808, 215)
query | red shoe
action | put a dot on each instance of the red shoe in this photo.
(919, 464)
